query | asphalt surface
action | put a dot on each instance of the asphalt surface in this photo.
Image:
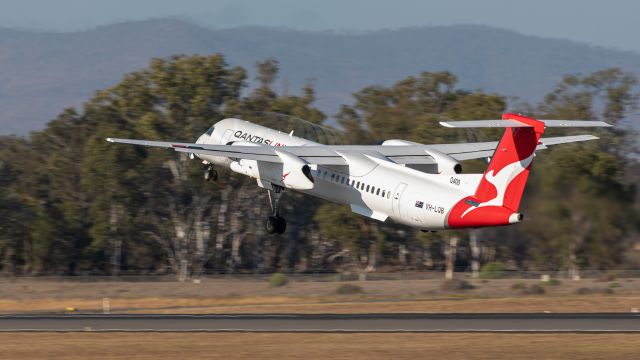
(536, 322)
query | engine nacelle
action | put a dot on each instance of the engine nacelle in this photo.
(296, 173)
(446, 164)
(292, 173)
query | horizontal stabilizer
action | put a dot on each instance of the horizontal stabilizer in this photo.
(515, 123)
(575, 123)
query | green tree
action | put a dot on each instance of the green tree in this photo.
(17, 216)
(584, 212)
(72, 203)
(177, 98)
(412, 108)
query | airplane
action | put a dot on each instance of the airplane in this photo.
(418, 185)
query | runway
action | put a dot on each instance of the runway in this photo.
(532, 322)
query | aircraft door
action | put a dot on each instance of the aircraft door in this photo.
(397, 195)
(226, 137)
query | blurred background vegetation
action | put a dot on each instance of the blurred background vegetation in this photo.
(71, 203)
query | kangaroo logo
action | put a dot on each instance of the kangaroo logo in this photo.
(501, 181)
(284, 176)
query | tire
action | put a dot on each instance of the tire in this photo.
(210, 174)
(272, 225)
(276, 225)
(281, 225)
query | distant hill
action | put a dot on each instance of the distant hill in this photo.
(42, 73)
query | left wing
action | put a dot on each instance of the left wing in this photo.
(261, 153)
(332, 154)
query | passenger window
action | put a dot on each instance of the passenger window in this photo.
(388, 194)
(342, 180)
(333, 177)
(378, 191)
(367, 188)
(382, 193)
(358, 185)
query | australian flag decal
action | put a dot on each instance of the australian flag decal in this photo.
(419, 204)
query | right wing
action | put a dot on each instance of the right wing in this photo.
(482, 150)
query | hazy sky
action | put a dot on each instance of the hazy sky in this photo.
(611, 23)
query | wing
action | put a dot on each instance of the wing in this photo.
(333, 154)
(241, 152)
(471, 151)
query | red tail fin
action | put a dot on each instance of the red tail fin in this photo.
(498, 195)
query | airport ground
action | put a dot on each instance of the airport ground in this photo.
(310, 295)
(306, 295)
(317, 346)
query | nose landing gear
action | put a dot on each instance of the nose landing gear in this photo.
(210, 174)
(275, 223)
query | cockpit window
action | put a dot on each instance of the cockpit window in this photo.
(210, 131)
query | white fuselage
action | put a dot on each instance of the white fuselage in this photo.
(372, 187)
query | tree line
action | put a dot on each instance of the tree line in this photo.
(71, 203)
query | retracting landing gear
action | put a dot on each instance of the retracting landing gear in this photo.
(275, 223)
(210, 174)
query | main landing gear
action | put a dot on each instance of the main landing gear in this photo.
(275, 223)
(210, 174)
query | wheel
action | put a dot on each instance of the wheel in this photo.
(281, 225)
(272, 224)
(276, 225)
(210, 174)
